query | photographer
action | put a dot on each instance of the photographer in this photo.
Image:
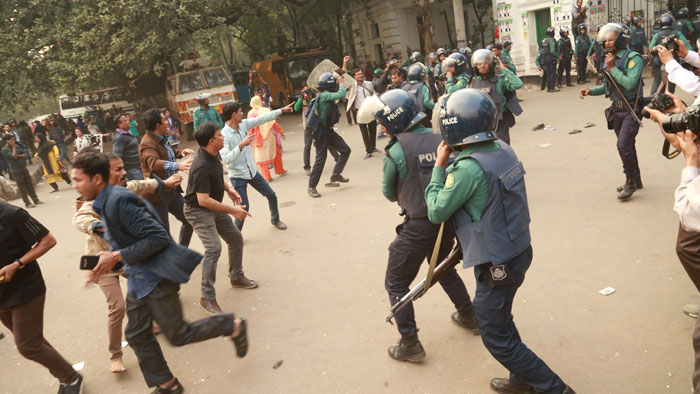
(677, 74)
(666, 22)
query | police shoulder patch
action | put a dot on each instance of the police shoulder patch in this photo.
(631, 64)
(450, 180)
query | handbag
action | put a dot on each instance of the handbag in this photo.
(62, 167)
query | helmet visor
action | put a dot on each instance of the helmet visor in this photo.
(482, 56)
(369, 108)
(436, 114)
(447, 63)
(608, 32)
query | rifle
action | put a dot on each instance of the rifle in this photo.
(611, 81)
(445, 265)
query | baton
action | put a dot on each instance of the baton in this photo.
(608, 77)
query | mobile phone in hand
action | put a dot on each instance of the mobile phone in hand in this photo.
(88, 262)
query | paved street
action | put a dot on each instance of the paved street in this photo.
(321, 305)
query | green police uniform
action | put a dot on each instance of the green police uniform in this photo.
(627, 80)
(655, 40)
(455, 83)
(394, 168)
(507, 61)
(202, 115)
(327, 98)
(461, 184)
(429, 104)
(552, 49)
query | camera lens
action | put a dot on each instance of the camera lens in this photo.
(675, 123)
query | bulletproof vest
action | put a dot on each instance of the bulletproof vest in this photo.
(420, 153)
(682, 26)
(630, 94)
(599, 50)
(583, 43)
(415, 89)
(503, 231)
(565, 47)
(545, 46)
(638, 37)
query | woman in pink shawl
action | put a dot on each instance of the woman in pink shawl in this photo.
(267, 150)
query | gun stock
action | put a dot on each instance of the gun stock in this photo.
(415, 293)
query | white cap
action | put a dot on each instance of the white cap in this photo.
(203, 96)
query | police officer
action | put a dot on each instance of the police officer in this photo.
(627, 21)
(205, 113)
(483, 193)
(565, 53)
(597, 50)
(441, 55)
(456, 71)
(639, 38)
(432, 63)
(506, 58)
(667, 23)
(500, 84)
(547, 60)
(326, 115)
(625, 66)
(583, 44)
(417, 88)
(682, 24)
(467, 52)
(410, 156)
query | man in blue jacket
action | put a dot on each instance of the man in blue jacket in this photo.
(138, 240)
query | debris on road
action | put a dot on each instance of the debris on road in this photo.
(588, 124)
(278, 363)
(575, 131)
(538, 127)
(607, 291)
(545, 145)
(549, 127)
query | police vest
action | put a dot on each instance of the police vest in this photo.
(638, 38)
(599, 50)
(630, 94)
(545, 46)
(415, 89)
(420, 153)
(583, 44)
(682, 26)
(503, 232)
(488, 86)
(565, 47)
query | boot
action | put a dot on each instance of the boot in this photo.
(627, 190)
(408, 349)
(504, 386)
(637, 184)
(314, 193)
(466, 320)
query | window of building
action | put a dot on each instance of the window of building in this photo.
(375, 30)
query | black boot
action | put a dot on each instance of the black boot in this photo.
(314, 193)
(628, 190)
(637, 184)
(504, 386)
(466, 320)
(408, 349)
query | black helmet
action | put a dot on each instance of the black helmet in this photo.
(638, 19)
(563, 29)
(507, 43)
(415, 57)
(666, 21)
(467, 116)
(466, 51)
(682, 13)
(627, 21)
(621, 31)
(582, 26)
(327, 82)
(416, 73)
(441, 51)
(457, 60)
(550, 32)
(397, 110)
(482, 56)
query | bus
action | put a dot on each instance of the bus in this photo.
(183, 88)
(286, 73)
(77, 104)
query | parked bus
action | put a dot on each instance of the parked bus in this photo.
(183, 89)
(286, 74)
(77, 104)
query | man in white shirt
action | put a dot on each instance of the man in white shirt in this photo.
(357, 93)
(683, 78)
(81, 141)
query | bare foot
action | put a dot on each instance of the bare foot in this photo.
(236, 327)
(117, 366)
(156, 328)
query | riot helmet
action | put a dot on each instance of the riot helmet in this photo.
(550, 32)
(562, 30)
(582, 27)
(202, 99)
(432, 56)
(682, 13)
(327, 82)
(637, 20)
(466, 51)
(415, 57)
(622, 34)
(457, 60)
(627, 21)
(467, 116)
(441, 51)
(396, 110)
(416, 73)
(484, 56)
(666, 21)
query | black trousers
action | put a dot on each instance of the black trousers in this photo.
(163, 306)
(25, 186)
(173, 202)
(581, 64)
(326, 139)
(564, 65)
(308, 139)
(414, 242)
(550, 71)
(368, 131)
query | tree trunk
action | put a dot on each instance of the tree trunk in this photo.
(447, 24)
(221, 48)
(427, 27)
(340, 34)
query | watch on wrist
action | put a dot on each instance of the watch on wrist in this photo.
(20, 263)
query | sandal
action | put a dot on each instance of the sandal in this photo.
(170, 389)
(241, 340)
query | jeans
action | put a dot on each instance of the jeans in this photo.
(209, 226)
(26, 321)
(25, 185)
(63, 152)
(326, 139)
(173, 202)
(163, 306)
(260, 184)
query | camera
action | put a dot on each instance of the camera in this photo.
(688, 120)
(308, 92)
(667, 42)
(393, 63)
(658, 101)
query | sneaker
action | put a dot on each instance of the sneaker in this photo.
(368, 155)
(314, 193)
(332, 184)
(692, 310)
(280, 225)
(408, 349)
(375, 150)
(244, 283)
(284, 173)
(210, 305)
(339, 178)
(75, 388)
(466, 320)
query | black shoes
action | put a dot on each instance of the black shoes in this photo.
(339, 178)
(74, 388)
(637, 184)
(313, 193)
(627, 190)
(553, 90)
(504, 386)
(408, 349)
(466, 320)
